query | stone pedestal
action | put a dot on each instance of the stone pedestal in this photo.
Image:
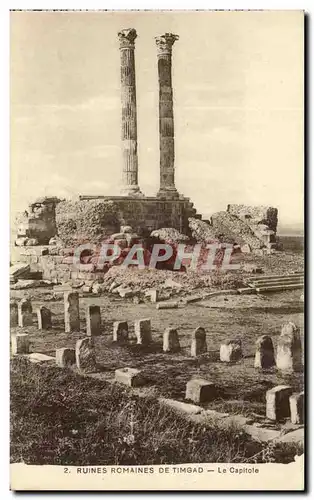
(166, 125)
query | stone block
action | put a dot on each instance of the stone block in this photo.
(200, 390)
(20, 343)
(130, 377)
(65, 357)
(277, 402)
(85, 355)
(171, 341)
(25, 313)
(288, 357)
(198, 345)
(120, 332)
(93, 320)
(296, 401)
(13, 314)
(44, 318)
(264, 355)
(143, 331)
(231, 351)
(71, 312)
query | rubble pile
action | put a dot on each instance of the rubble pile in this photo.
(231, 229)
(169, 235)
(201, 231)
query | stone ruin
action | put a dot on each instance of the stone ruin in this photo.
(94, 218)
(281, 403)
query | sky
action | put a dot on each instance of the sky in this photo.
(238, 106)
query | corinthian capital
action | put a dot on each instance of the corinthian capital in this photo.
(164, 43)
(127, 38)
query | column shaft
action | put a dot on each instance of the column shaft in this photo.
(166, 123)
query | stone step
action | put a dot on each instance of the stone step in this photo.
(278, 281)
(275, 276)
(278, 288)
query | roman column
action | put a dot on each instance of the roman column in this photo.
(166, 127)
(129, 122)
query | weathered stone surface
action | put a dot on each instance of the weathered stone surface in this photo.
(153, 295)
(120, 332)
(143, 331)
(288, 356)
(198, 345)
(44, 318)
(296, 401)
(93, 320)
(39, 357)
(181, 406)
(171, 341)
(85, 355)
(169, 235)
(264, 355)
(130, 377)
(231, 351)
(277, 402)
(246, 248)
(65, 357)
(71, 312)
(18, 270)
(167, 305)
(200, 390)
(202, 232)
(25, 313)
(14, 319)
(20, 343)
(234, 230)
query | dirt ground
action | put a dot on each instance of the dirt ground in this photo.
(241, 387)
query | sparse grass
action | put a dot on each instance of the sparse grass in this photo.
(58, 417)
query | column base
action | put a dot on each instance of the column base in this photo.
(169, 193)
(133, 191)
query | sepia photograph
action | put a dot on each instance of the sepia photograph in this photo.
(157, 250)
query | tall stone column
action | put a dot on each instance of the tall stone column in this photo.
(166, 125)
(129, 120)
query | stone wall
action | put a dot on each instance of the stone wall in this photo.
(94, 220)
(38, 222)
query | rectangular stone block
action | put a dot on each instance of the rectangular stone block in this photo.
(93, 321)
(130, 377)
(25, 313)
(277, 402)
(198, 344)
(65, 357)
(200, 391)
(20, 343)
(171, 341)
(44, 318)
(71, 312)
(297, 408)
(13, 314)
(231, 351)
(143, 331)
(120, 332)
